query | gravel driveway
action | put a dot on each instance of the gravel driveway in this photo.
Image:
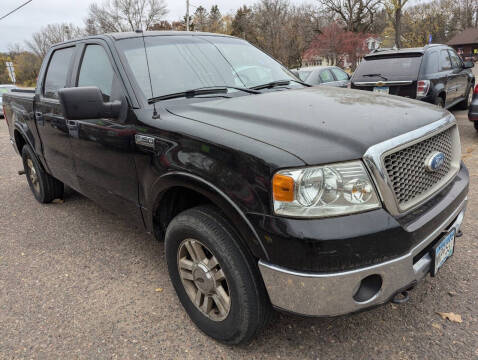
(78, 282)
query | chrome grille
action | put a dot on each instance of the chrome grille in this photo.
(407, 172)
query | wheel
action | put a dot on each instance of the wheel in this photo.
(44, 187)
(215, 278)
(440, 102)
(476, 125)
(465, 104)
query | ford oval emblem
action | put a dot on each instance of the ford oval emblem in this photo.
(434, 161)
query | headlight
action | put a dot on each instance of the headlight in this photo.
(320, 191)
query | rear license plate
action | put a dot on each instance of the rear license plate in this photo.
(381, 89)
(443, 250)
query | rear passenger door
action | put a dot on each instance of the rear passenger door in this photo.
(447, 76)
(51, 123)
(459, 74)
(103, 148)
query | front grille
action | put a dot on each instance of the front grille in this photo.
(407, 171)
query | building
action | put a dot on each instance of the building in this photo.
(317, 55)
(466, 43)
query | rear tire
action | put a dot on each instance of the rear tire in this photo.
(44, 187)
(440, 102)
(475, 123)
(247, 308)
(465, 104)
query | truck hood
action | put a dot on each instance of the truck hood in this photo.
(317, 124)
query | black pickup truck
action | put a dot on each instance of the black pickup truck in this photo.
(268, 193)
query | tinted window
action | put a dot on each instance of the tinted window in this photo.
(445, 63)
(393, 68)
(326, 76)
(96, 70)
(431, 64)
(56, 76)
(339, 74)
(455, 60)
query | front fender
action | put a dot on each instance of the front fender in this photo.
(218, 197)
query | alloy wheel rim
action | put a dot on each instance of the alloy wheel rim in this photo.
(32, 174)
(203, 279)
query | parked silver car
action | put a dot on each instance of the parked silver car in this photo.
(4, 89)
(323, 75)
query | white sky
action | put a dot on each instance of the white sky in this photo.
(22, 24)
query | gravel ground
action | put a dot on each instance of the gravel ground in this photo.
(78, 282)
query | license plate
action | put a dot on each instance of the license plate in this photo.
(381, 89)
(443, 250)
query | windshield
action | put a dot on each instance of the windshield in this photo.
(392, 68)
(181, 63)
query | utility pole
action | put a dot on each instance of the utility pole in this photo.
(187, 15)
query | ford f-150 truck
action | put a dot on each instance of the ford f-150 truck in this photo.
(268, 193)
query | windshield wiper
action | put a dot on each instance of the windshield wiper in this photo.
(276, 83)
(201, 91)
(376, 75)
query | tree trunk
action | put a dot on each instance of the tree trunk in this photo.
(398, 26)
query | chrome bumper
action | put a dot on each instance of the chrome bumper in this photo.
(333, 293)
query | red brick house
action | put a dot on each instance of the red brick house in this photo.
(466, 43)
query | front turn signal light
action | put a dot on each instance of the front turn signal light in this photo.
(283, 188)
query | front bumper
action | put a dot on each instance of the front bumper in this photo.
(330, 294)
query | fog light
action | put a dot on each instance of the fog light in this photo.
(368, 288)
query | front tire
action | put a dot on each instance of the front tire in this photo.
(215, 277)
(44, 187)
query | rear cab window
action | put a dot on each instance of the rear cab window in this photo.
(57, 73)
(339, 74)
(393, 67)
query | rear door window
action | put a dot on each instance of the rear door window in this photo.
(445, 62)
(326, 76)
(390, 67)
(57, 73)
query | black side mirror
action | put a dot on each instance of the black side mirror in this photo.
(82, 103)
(468, 64)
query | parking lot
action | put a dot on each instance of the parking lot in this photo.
(78, 282)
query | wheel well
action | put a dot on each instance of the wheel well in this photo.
(19, 141)
(174, 201)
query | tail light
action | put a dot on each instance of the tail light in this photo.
(422, 87)
(476, 90)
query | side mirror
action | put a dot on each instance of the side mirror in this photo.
(468, 64)
(82, 103)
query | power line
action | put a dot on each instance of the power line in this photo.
(18, 8)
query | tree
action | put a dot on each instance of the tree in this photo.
(243, 23)
(27, 67)
(215, 20)
(358, 15)
(330, 42)
(394, 10)
(124, 15)
(200, 19)
(51, 34)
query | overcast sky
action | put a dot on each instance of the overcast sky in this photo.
(22, 24)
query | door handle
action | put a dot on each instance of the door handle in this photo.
(39, 118)
(72, 124)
